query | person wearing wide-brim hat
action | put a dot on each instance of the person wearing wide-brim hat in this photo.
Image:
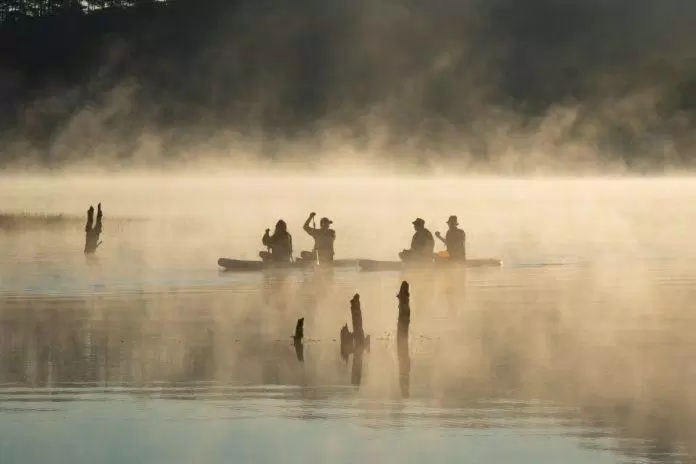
(324, 238)
(455, 239)
(422, 244)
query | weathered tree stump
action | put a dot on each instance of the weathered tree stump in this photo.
(92, 230)
(346, 343)
(297, 339)
(403, 323)
(356, 342)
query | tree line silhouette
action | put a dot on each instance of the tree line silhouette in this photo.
(13, 10)
(105, 71)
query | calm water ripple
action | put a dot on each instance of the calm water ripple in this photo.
(581, 349)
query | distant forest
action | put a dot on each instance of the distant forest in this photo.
(78, 75)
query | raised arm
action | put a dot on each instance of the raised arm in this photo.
(306, 227)
(438, 235)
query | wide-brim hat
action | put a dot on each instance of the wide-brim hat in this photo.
(453, 220)
(418, 221)
(325, 220)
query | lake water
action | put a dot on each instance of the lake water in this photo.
(580, 349)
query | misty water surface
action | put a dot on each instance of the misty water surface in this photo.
(580, 349)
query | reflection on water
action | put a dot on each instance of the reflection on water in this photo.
(581, 349)
(535, 355)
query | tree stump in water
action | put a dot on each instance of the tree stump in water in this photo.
(403, 323)
(358, 340)
(355, 343)
(93, 231)
(297, 339)
(346, 343)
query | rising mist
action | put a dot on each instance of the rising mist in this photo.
(497, 87)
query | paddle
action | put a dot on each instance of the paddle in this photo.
(443, 253)
(316, 254)
(292, 258)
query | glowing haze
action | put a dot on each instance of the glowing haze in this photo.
(498, 87)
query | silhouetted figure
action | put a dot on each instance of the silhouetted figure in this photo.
(279, 244)
(324, 238)
(297, 339)
(93, 231)
(455, 240)
(422, 244)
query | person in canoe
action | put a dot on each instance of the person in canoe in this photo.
(92, 230)
(454, 240)
(279, 244)
(422, 244)
(324, 238)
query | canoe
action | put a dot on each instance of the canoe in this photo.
(372, 265)
(241, 265)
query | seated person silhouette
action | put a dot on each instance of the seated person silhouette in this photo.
(324, 238)
(422, 244)
(279, 244)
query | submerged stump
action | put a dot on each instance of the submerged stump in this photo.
(356, 342)
(346, 343)
(402, 350)
(93, 230)
(297, 339)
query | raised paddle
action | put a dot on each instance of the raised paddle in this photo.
(314, 226)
